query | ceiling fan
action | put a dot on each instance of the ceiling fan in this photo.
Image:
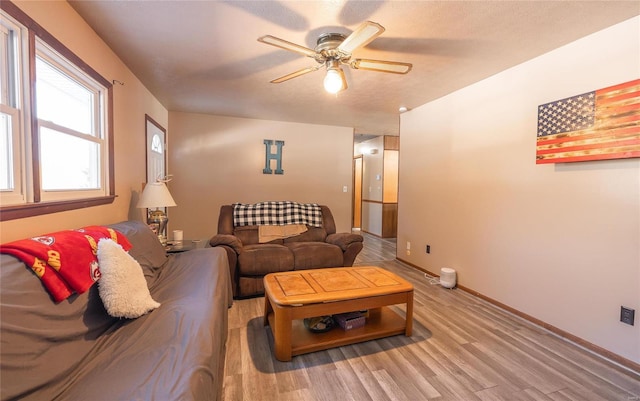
(334, 49)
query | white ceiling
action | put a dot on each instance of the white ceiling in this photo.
(203, 56)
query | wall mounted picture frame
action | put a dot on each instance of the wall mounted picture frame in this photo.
(597, 125)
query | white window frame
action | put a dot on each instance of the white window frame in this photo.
(99, 125)
(14, 103)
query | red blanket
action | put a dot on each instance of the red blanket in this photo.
(65, 261)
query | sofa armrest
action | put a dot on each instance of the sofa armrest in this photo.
(228, 240)
(343, 240)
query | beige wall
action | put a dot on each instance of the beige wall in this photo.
(560, 242)
(218, 160)
(131, 102)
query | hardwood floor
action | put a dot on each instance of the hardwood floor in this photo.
(462, 348)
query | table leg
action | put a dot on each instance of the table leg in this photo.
(267, 309)
(409, 314)
(282, 332)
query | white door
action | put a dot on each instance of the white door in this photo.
(156, 146)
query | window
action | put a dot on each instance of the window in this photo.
(55, 148)
(70, 122)
(156, 144)
(9, 135)
(12, 57)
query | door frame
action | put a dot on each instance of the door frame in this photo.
(358, 164)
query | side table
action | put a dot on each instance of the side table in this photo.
(184, 245)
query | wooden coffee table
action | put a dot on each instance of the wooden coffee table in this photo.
(295, 295)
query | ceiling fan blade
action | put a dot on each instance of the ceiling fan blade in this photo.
(363, 35)
(295, 74)
(286, 45)
(393, 67)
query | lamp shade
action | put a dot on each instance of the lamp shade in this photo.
(156, 194)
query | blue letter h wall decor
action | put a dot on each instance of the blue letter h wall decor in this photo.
(273, 156)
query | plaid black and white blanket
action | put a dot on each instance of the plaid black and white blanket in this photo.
(277, 213)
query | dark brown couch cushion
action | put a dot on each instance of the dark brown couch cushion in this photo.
(260, 259)
(249, 235)
(311, 255)
(311, 235)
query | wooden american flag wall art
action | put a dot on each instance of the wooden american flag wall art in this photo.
(599, 125)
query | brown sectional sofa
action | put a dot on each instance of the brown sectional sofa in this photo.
(250, 260)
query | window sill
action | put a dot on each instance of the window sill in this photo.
(37, 209)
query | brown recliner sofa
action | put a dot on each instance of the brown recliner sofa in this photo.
(250, 261)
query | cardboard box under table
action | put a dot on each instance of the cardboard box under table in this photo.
(294, 295)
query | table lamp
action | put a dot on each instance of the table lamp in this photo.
(156, 195)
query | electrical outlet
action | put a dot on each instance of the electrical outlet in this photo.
(428, 249)
(627, 315)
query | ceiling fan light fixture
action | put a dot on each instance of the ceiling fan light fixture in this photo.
(335, 49)
(333, 81)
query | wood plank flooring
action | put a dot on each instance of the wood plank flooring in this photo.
(462, 348)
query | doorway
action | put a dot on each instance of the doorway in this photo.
(156, 155)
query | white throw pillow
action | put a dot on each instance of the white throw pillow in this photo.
(122, 287)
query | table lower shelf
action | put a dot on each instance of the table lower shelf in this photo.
(382, 322)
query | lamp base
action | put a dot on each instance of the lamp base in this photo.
(160, 218)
